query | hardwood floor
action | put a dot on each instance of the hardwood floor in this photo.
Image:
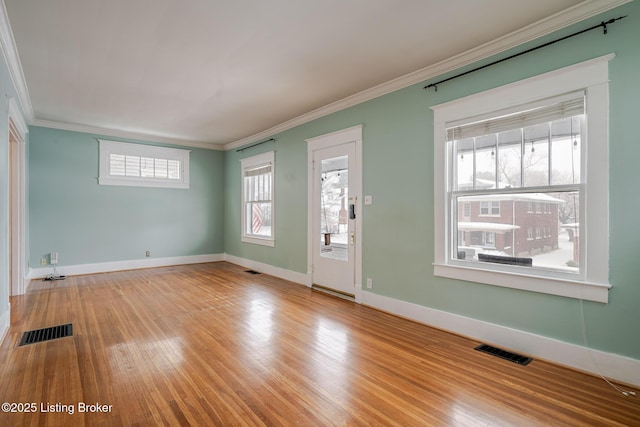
(209, 344)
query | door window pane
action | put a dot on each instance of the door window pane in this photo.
(334, 205)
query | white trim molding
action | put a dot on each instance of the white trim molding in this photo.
(282, 273)
(566, 288)
(134, 264)
(5, 323)
(548, 25)
(12, 59)
(17, 117)
(123, 133)
(614, 366)
(17, 204)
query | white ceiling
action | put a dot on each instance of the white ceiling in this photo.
(212, 72)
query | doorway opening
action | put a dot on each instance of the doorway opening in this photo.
(17, 191)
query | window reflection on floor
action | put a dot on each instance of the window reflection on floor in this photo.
(331, 363)
(162, 355)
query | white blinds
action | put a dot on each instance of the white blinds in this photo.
(258, 171)
(547, 113)
(143, 167)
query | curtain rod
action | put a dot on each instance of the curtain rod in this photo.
(602, 25)
(257, 143)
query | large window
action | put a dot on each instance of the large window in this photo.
(123, 163)
(257, 199)
(519, 202)
(527, 160)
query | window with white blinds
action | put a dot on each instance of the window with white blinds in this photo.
(544, 111)
(519, 203)
(258, 199)
(129, 164)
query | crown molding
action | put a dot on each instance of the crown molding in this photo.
(548, 25)
(572, 15)
(117, 133)
(12, 59)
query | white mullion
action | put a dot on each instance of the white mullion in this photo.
(499, 191)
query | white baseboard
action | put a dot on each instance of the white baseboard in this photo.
(105, 267)
(5, 322)
(597, 362)
(292, 276)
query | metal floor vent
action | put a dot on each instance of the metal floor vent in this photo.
(47, 334)
(503, 354)
(252, 272)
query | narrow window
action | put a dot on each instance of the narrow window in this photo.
(258, 199)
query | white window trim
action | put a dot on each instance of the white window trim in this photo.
(127, 148)
(252, 163)
(591, 76)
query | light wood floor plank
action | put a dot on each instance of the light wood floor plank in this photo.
(211, 345)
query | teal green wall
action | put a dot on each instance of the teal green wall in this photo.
(89, 223)
(398, 230)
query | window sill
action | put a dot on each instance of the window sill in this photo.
(547, 285)
(264, 241)
(133, 182)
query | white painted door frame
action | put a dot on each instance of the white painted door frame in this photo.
(16, 136)
(349, 135)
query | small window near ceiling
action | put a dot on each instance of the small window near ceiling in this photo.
(258, 199)
(128, 164)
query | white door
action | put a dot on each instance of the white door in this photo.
(334, 218)
(334, 229)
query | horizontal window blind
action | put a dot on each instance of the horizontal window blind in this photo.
(144, 167)
(258, 171)
(568, 108)
(130, 164)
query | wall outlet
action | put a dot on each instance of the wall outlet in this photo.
(147, 254)
(53, 258)
(369, 283)
(43, 261)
